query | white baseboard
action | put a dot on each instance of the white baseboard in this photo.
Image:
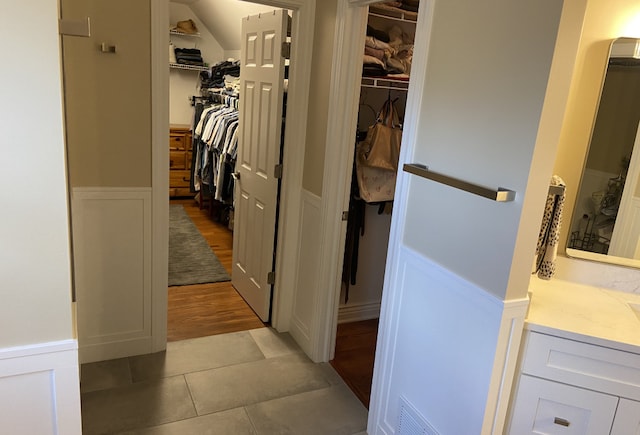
(358, 312)
(40, 389)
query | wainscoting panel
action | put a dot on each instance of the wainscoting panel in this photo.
(304, 311)
(40, 389)
(448, 349)
(112, 264)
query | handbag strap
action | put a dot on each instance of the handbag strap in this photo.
(388, 114)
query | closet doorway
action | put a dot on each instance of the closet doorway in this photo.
(388, 54)
(232, 228)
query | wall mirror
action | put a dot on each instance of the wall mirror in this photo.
(605, 224)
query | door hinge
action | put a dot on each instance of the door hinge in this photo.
(277, 171)
(271, 278)
(286, 50)
(75, 27)
(345, 215)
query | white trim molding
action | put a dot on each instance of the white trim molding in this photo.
(339, 151)
(40, 389)
(112, 247)
(504, 368)
(306, 274)
(358, 312)
(159, 172)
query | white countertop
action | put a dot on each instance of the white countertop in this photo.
(584, 313)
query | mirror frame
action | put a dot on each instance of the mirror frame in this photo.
(588, 255)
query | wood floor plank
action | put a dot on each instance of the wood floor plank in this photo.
(208, 309)
(355, 354)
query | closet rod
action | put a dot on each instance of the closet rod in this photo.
(499, 195)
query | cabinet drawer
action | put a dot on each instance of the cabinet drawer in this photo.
(585, 365)
(177, 142)
(546, 407)
(177, 160)
(179, 178)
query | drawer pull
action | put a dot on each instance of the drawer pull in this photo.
(185, 179)
(561, 422)
(170, 163)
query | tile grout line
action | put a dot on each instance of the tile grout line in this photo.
(193, 402)
(253, 425)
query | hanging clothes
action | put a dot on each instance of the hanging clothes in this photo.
(215, 149)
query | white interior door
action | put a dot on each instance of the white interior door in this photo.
(261, 93)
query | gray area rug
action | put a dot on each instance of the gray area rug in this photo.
(191, 260)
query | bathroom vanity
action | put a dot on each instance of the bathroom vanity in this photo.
(579, 365)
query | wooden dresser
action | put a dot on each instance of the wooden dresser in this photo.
(179, 160)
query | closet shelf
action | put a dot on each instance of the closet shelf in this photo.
(188, 67)
(189, 35)
(393, 15)
(385, 83)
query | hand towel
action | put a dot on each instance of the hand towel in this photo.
(547, 248)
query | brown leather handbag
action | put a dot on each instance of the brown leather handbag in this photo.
(381, 147)
(377, 156)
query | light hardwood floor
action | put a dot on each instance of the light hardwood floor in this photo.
(354, 356)
(208, 309)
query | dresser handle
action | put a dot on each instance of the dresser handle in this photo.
(185, 179)
(561, 422)
(170, 163)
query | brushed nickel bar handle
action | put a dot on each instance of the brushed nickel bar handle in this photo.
(499, 195)
(561, 422)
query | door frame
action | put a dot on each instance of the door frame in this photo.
(344, 93)
(293, 160)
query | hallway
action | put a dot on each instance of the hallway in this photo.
(251, 382)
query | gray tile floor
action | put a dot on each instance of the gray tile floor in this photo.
(253, 382)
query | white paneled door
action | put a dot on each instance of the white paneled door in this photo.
(256, 190)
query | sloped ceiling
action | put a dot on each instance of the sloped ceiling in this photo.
(223, 18)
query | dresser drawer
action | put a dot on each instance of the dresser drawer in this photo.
(179, 178)
(177, 142)
(177, 160)
(585, 365)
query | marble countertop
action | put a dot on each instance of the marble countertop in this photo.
(585, 313)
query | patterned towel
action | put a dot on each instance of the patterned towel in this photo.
(547, 248)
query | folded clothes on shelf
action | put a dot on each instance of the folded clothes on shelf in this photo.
(189, 56)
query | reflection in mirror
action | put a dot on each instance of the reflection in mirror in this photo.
(606, 218)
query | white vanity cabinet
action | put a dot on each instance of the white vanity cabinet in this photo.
(571, 387)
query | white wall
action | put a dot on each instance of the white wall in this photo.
(34, 253)
(184, 84)
(482, 106)
(39, 385)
